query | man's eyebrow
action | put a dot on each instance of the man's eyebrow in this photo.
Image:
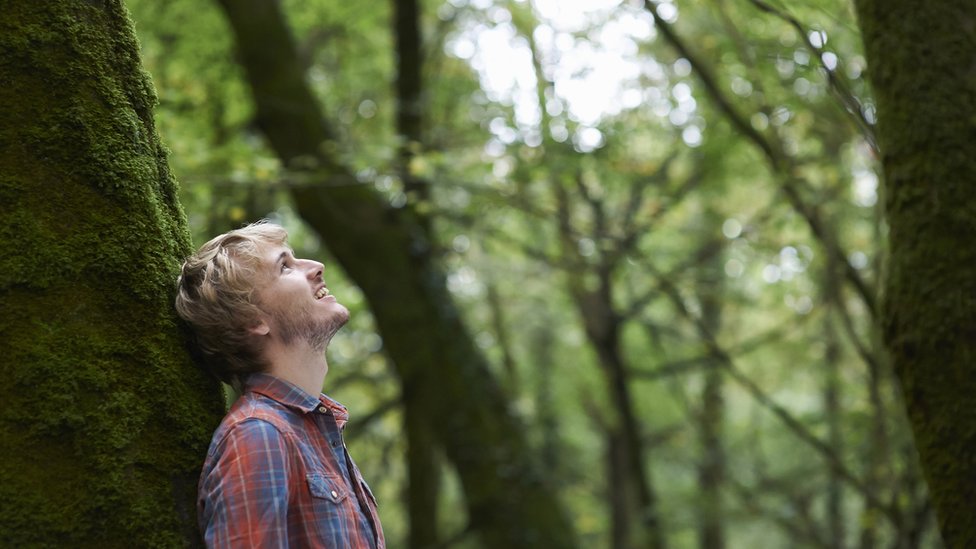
(281, 257)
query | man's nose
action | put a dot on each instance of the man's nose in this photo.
(315, 270)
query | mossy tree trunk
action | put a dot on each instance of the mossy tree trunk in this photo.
(922, 63)
(105, 420)
(388, 253)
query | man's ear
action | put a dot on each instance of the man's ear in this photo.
(261, 328)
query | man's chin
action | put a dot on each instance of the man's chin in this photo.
(329, 329)
(338, 318)
(342, 315)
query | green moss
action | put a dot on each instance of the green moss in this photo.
(105, 420)
(920, 66)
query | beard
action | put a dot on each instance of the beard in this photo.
(302, 326)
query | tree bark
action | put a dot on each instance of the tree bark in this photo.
(409, 90)
(712, 469)
(833, 412)
(423, 467)
(386, 251)
(921, 64)
(105, 420)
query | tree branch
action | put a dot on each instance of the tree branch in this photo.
(780, 163)
(848, 100)
(797, 428)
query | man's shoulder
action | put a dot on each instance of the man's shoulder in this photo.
(252, 437)
(255, 412)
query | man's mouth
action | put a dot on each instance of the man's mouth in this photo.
(323, 291)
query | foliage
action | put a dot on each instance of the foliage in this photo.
(757, 183)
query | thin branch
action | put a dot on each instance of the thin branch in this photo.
(638, 188)
(706, 252)
(359, 426)
(632, 231)
(525, 248)
(779, 161)
(869, 356)
(748, 497)
(354, 376)
(690, 364)
(848, 100)
(711, 85)
(756, 392)
(599, 219)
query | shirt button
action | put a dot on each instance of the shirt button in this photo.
(335, 443)
(323, 409)
(334, 494)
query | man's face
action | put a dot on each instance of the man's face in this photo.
(299, 306)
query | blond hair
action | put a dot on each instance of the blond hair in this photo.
(216, 297)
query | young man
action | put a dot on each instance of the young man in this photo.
(277, 473)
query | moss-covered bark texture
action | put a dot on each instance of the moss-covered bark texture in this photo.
(922, 63)
(104, 420)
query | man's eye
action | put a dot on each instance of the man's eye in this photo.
(284, 266)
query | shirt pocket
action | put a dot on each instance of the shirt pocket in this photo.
(332, 512)
(324, 487)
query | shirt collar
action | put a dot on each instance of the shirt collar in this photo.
(338, 410)
(293, 396)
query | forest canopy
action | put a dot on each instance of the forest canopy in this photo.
(615, 268)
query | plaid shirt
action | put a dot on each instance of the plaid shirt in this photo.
(278, 475)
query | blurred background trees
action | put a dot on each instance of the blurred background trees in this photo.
(613, 266)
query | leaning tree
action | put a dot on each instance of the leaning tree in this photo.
(104, 419)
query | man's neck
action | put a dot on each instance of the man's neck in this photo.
(299, 365)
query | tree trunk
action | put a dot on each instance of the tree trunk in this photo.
(423, 467)
(921, 63)
(833, 412)
(547, 410)
(105, 421)
(711, 470)
(386, 251)
(635, 515)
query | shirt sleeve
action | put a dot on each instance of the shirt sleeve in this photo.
(245, 500)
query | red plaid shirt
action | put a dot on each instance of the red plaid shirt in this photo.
(278, 475)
